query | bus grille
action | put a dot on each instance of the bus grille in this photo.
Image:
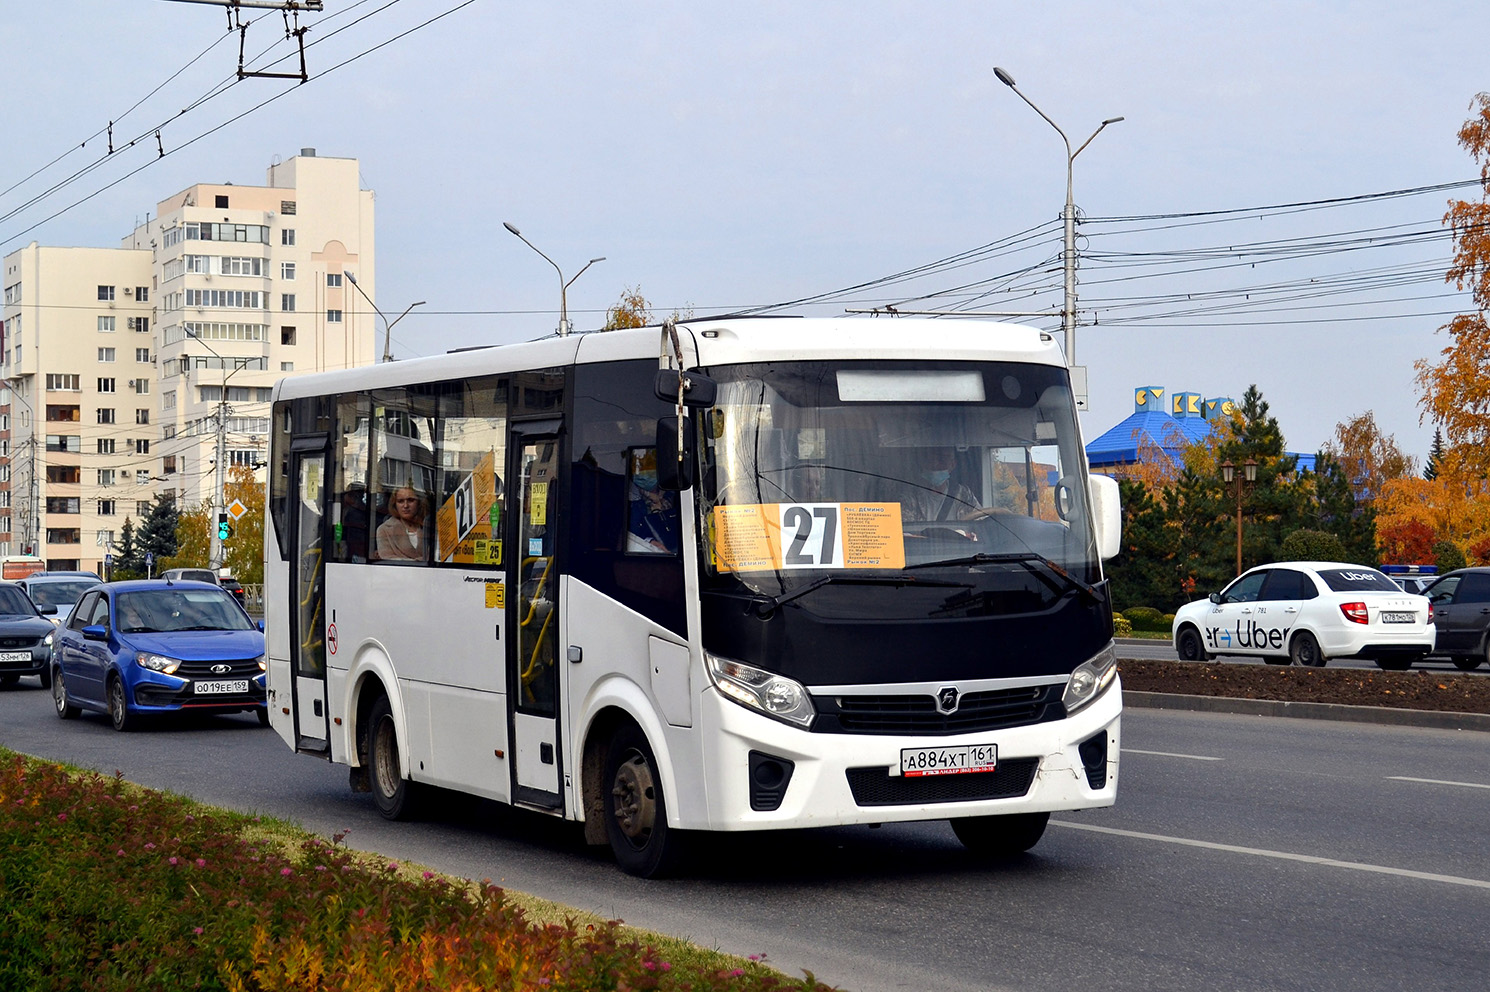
(877, 787)
(976, 712)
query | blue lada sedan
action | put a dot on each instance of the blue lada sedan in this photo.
(131, 649)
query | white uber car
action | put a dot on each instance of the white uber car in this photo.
(1306, 612)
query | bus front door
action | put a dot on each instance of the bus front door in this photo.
(533, 618)
(308, 590)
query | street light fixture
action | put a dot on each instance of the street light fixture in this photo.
(563, 286)
(387, 327)
(1229, 472)
(1068, 215)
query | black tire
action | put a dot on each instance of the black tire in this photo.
(1396, 663)
(1189, 646)
(44, 677)
(1304, 650)
(394, 795)
(1000, 836)
(1467, 662)
(65, 709)
(120, 715)
(636, 809)
(263, 715)
(6, 681)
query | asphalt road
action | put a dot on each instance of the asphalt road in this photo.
(1245, 853)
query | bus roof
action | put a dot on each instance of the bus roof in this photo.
(714, 341)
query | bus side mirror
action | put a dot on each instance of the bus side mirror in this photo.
(675, 469)
(698, 389)
(1107, 514)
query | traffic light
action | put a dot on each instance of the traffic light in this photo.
(224, 527)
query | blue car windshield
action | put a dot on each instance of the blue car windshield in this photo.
(13, 602)
(152, 611)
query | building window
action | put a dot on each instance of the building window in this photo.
(106, 508)
(168, 400)
(140, 385)
(245, 457)
(141, 324)
(142, 477)
(287, 335)
(64, 504)
(142, 416)
(236, 299)
(287, 237)
(333, 279)
(287, 270)
(105, 446)
(142, 508)
(106, 354)
(64, 474)
(287, 302)
(105, 415)
(65, 442)
(106, 324)
(64, 535)
(106, 477)
(106, 292)
(287, 207)
(142, 446)
(168, 465)
(142, 354)
(64, 382)
(333, 316)
(242, 265)
(221, 202)
(56, 413)
(142, 294)
(106, 385)
(287, 366)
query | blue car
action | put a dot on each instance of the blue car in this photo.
(131, 649)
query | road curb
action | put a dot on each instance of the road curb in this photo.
(1433, 719)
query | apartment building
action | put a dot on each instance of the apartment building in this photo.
(125, 368)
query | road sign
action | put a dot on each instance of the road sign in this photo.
(149, 558)
(237, 509)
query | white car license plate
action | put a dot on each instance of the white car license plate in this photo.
(1398, 617)
(211, 688)
(916, 761)
(6, 656)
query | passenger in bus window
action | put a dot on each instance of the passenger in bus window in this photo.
(652, 519)
(354, 522)
(401, 536)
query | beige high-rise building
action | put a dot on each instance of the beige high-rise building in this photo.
(225, 290)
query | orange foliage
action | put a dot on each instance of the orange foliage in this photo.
(1455, 506)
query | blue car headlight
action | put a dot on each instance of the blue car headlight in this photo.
(263, 661)
(157, 662)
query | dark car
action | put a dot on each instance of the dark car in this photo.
(56, 593)
(25, 637)
(233, 586)
(1461, 612)
(144, 647)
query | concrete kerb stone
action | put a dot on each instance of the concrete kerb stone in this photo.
(1432, 719)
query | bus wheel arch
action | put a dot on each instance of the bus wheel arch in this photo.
(624, 785)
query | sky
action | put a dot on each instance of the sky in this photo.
(732, 157)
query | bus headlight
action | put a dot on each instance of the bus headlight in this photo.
(771, 694)
(1090, 679)
(157, 662)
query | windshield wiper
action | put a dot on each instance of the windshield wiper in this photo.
(1030, 560)
(764, 605)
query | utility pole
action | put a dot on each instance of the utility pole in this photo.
(1068, 218)
(218, 498)
(32, 531)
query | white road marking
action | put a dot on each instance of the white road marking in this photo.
(1309, 859)
(1436, 781)
(1169, 754)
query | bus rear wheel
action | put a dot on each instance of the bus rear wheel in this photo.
(392, 793)
(635, 809)
(1000, 836)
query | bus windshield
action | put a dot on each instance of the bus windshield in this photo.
(849, 469)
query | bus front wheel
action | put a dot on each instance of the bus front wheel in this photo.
(1000, 836)
(635, 810)
(392, 793)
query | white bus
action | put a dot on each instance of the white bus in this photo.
(858, 580)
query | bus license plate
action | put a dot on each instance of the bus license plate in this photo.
(916, 761)
(10, 656)
(211, 688)
(1398, 617)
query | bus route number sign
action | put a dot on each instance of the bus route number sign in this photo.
(759, 536)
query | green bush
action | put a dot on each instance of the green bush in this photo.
(112, 888)
(1312, 545)
(1447, 556)
(1146, 618)
(1121, 626)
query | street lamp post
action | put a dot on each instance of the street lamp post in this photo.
(563, 286)
(1228, 473)
(387, 326)
(215, 554)
(1068, 216)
